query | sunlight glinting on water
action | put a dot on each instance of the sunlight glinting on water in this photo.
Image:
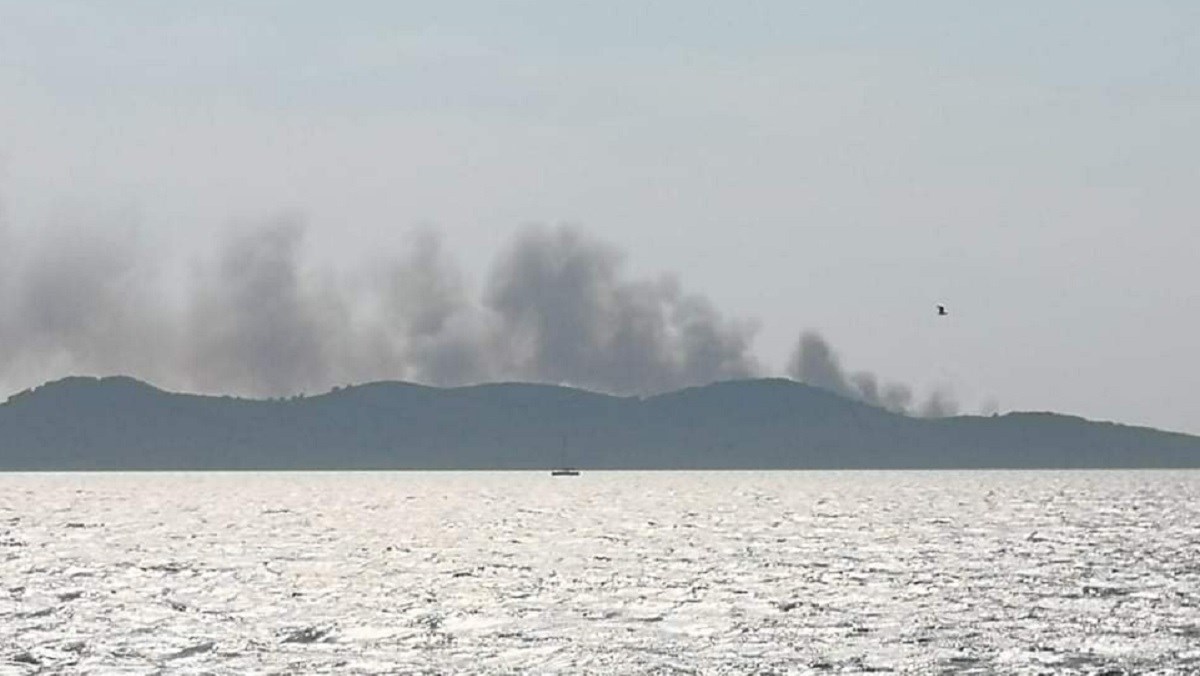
(747, 572)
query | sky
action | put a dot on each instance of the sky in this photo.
(724, 177)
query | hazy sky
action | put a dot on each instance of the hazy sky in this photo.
(837, 166)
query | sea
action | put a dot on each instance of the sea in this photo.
(911, 572)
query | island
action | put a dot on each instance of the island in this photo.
(120, 423)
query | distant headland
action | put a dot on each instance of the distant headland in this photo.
(119, 423)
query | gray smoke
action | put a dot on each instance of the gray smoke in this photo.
(557, 307)
(260, 320)
(939, 405)
(79, 298)
(814, 362)
(570, 316)
(258, 323)
(426, 326)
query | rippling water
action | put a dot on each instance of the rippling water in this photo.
(713, 572)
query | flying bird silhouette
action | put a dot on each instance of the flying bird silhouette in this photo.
(942, 311)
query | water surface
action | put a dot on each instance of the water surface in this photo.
(705, 572)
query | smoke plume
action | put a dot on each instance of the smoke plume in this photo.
(261, 320)
(814, 362)
(79, 299)
(259, 323)
(570, 316)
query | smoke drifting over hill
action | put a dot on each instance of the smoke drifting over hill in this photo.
(78, 300)
(558, 306)
(569, 314)
(814, 362)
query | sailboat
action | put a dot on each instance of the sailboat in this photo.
(563, 469)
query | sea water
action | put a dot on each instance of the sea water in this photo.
(607, 572)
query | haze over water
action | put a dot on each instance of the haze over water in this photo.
(669, 572)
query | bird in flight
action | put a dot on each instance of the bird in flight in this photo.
(942, 311)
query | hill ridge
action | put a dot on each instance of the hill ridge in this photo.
(119, 422)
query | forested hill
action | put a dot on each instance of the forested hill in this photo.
(119, 423)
